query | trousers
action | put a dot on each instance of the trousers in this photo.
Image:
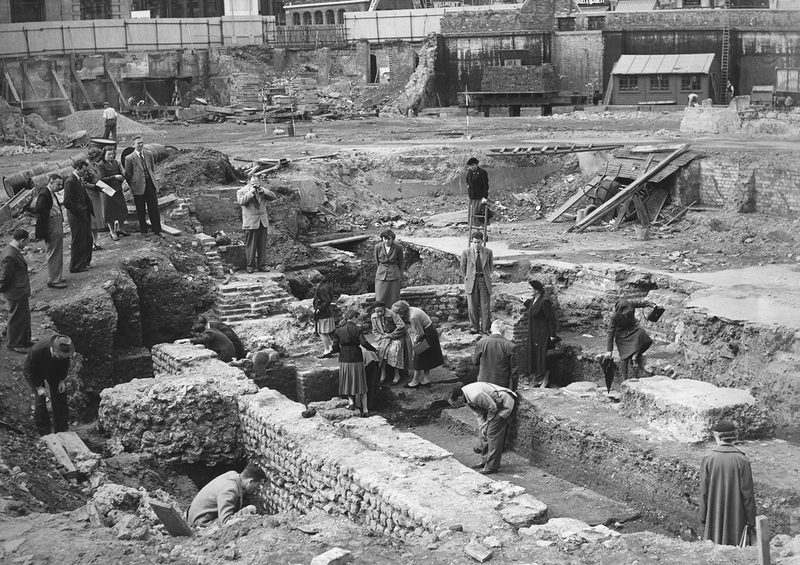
(19, 323)
(41, 416)
(55, 249)
(478, 306)
(147, 205)
(492, 446)
(255, 247)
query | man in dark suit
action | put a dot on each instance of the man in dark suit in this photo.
(496, 358)
(47, 363)
(50, 229)
(477, 264)
(477, 189)
(212, 339)
(227, 331)
(140, 173)
(16, 287)
(79, 213)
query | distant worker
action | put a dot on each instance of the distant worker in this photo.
(477, 264)
(50, 229)
(496, 358)
(492, 406)
(477, 189)
(227, 331)
(692, 100)
(110, 118)
(140, 174)
(727, 500)
(729, 92)
(310, 136)
(16, 288)
(212, 339)
(222, 498)
(253, 199)
(45, 369)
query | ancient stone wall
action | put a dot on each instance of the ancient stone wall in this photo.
(390, 482)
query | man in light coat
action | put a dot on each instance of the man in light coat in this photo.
(50, 229)
(253, 199)
(477, 264)
(221, 499)
(16, 288)
(492, 406)
(140, 173)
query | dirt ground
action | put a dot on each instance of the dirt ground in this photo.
(374, 154)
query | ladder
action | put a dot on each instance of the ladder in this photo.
(475, 218)
(726, 48)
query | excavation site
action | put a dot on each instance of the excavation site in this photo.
(595, 202)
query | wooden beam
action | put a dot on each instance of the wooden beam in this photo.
(68, 469)
(23, 66)
(123, 103)
(575, 198)
(641, 211)
(762, 544)
(10, 85)
(625, 193)
(63, 91)
(79, 82)
(342, 241)
(153, 100)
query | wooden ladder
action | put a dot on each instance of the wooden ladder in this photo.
(473, 227)
(726, 49)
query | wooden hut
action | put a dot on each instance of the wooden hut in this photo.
(664, 79)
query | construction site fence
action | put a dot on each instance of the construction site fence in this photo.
(92, 36)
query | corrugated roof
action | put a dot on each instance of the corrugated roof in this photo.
(636, 5)
(631, 165)
(663, 64)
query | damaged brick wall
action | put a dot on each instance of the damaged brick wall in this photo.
(745, 187)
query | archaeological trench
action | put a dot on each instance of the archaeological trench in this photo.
(185, 407)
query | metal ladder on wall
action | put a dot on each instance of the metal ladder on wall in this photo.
(475, 219)
(726, 48)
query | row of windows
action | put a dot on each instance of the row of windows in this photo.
(592, 22)
(317, 19)
(658, 83)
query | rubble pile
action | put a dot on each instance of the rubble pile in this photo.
(195, 168)
(29, 131)
(92, 122)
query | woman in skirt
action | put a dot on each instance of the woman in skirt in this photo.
(389, 330)
(389, 272)
(420, 329)
(115, 210)
(348, 340)
(624, 330)
(323, 314)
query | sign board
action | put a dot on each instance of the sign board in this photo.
(140, 14)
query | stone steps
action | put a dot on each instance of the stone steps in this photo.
(243, 300)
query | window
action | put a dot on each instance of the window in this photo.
(26, 11)
(330, 17)
(94, 10)
(566, 24)
(628, 84)
(318, 17)
(659, 82)
(341, 16)
(596, 22)
(307, 18)
(296, 19)
(690, 82)
(512, 63)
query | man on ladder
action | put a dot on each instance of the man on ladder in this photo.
(478, 191)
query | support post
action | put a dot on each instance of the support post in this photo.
(762, 533)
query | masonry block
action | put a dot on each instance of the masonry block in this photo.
(688, 409)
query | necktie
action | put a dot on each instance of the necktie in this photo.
(478, 256)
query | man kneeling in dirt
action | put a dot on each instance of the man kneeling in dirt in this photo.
(222, 498)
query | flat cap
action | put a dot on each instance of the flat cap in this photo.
(724, 426)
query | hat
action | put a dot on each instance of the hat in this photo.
(62, 346)
(472, 161)
(105, 104)
(378, 304)
(537, 285)
(724, 426)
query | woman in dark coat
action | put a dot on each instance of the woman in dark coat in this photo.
(389, 258)
(347, 340)
(323, 314)
(624, 330)
(541, 334)
(420, 328)
(114, 208)
(93, 191)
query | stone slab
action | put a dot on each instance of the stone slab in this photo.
(68, 468)
(377, 436)
(335, 556)
(171, 518)
(85, 460)
(688, 409)
(478, 552)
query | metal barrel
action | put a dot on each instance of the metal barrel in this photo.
(17, 182)
(41, 180)
(43, 168)
(75, 158)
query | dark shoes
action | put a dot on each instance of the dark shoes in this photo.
(488, 471)
(327, 355)
(477, 466)
(409, 385)
(161, 235)
(473, 331)
(18, 349)
(251, 270)
(57, 285)
(123, 233)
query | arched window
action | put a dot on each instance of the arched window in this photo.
(307, 18)
(318, 17)
(330, 17)
(296, 18)
(341, 16)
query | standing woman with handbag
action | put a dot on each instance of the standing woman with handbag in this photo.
(348, 338)
(424, 342)
(624, 330)
(541, 334)
(389, 258)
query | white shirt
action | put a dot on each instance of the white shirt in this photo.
(109, 113)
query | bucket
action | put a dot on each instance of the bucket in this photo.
(581, 216)
(642, 232)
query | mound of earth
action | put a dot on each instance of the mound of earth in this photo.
(195, 167)
(31, 129)
(92, 122)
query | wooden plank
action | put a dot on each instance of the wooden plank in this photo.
(68, 469)
(342, 241)
(762, 540)
(171, 518)
(625, 193)
(641, 211)
(213, 109)
(24, 68)
(63, 91)
(10, 85)
(654, 148)
(655, 203)
(123, 102)
(575, 198)
(79, 82)
(153, 100)
(554, 150)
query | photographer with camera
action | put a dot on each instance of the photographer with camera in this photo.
(253, 199)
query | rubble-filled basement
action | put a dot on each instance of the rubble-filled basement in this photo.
(587, 477)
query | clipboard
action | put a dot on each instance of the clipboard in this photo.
(107, 190)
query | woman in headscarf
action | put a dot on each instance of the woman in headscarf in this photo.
(420, 329)
(114, 207)
(348, 340)
(390, 332)
(93, 157)
(389, 258)
(541, 334)
(323, 314)
(624, 330)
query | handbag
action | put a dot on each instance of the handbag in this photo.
(421, 347)
(655, 314)
(744, 540)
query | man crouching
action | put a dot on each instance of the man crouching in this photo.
(222, 498)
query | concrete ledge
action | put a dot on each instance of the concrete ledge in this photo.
(688, 409)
